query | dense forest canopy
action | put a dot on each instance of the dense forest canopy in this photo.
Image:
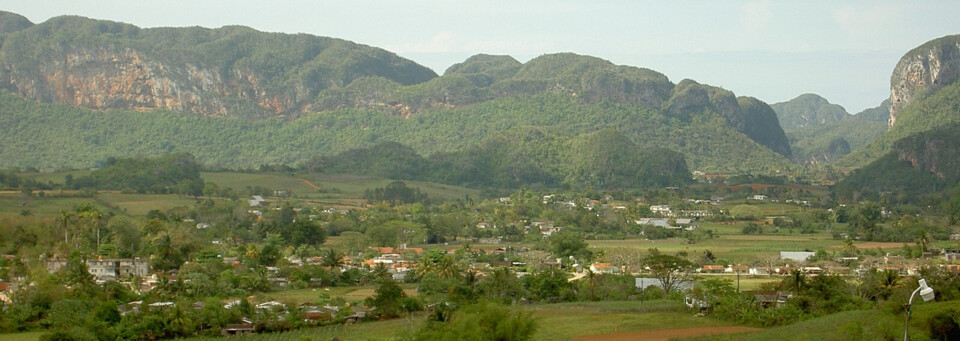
(522, 157)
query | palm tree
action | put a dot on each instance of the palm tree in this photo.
(379, 272)
(332, 259)
(923, 240)
(797, 280)
(446, 267)
(65, 218)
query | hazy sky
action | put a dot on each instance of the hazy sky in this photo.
(844, 51)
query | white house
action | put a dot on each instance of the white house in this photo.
(661, 209)
(256, 200)
(759, 197)
(798, 256)
(643, 283)
(658, 222)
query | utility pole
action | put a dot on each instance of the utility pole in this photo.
(738, 278)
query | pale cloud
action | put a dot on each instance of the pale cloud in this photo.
(756, 17)
(507, 47)
(438, 43)
(449, 42)
(867, 20)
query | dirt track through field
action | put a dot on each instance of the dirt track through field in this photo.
(308, 183)
(665, 334)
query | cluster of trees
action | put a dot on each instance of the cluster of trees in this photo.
(173, 173)
(13, 179)
(395, 193)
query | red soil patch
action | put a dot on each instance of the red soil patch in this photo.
(757, 187)
(666, 334)
(874, 245)
(308, 183)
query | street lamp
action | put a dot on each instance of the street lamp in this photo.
(926, 293)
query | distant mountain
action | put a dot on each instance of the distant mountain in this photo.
(922, 72)
(808, 110)
(921, 164)
(880, 113)
(820, 144)
(329, 96)
(230, 71)
(925, 95)
(920, 154)
(820, 132)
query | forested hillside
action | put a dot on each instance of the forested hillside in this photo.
(820, 132)
(522, 157)
(939, 109)
(808, 110)
(920, 164)
(925, 95)
(919, 155)
(285, 99)
(52, 136)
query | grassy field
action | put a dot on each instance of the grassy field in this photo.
(47, 206)
(556, 322)
(339, 190)
(874, 324)
(733, 247)
(315, 295)
(566, 320)
(140, 204)
(344, 191)
(27, 336)
(51, 204)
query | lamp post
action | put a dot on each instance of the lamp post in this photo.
(926, 293)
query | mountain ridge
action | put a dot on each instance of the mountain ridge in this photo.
(236, 71)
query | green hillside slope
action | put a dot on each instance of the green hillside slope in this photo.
(236, 97)
(52, 136)
(808, 110)
(942, 108)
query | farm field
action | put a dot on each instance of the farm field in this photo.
(336, 190)
(874, 324)
(342, 191)
(732, 247)
(563, 321)
(316, 295)
(26, 336)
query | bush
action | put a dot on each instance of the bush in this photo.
(481, 321)
(943, 326)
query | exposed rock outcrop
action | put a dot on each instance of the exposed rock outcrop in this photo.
(230, 71)
(922, 71)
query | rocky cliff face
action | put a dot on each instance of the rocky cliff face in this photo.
(933, 152)
(231, 71)
(922, 71)
(99, 78)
